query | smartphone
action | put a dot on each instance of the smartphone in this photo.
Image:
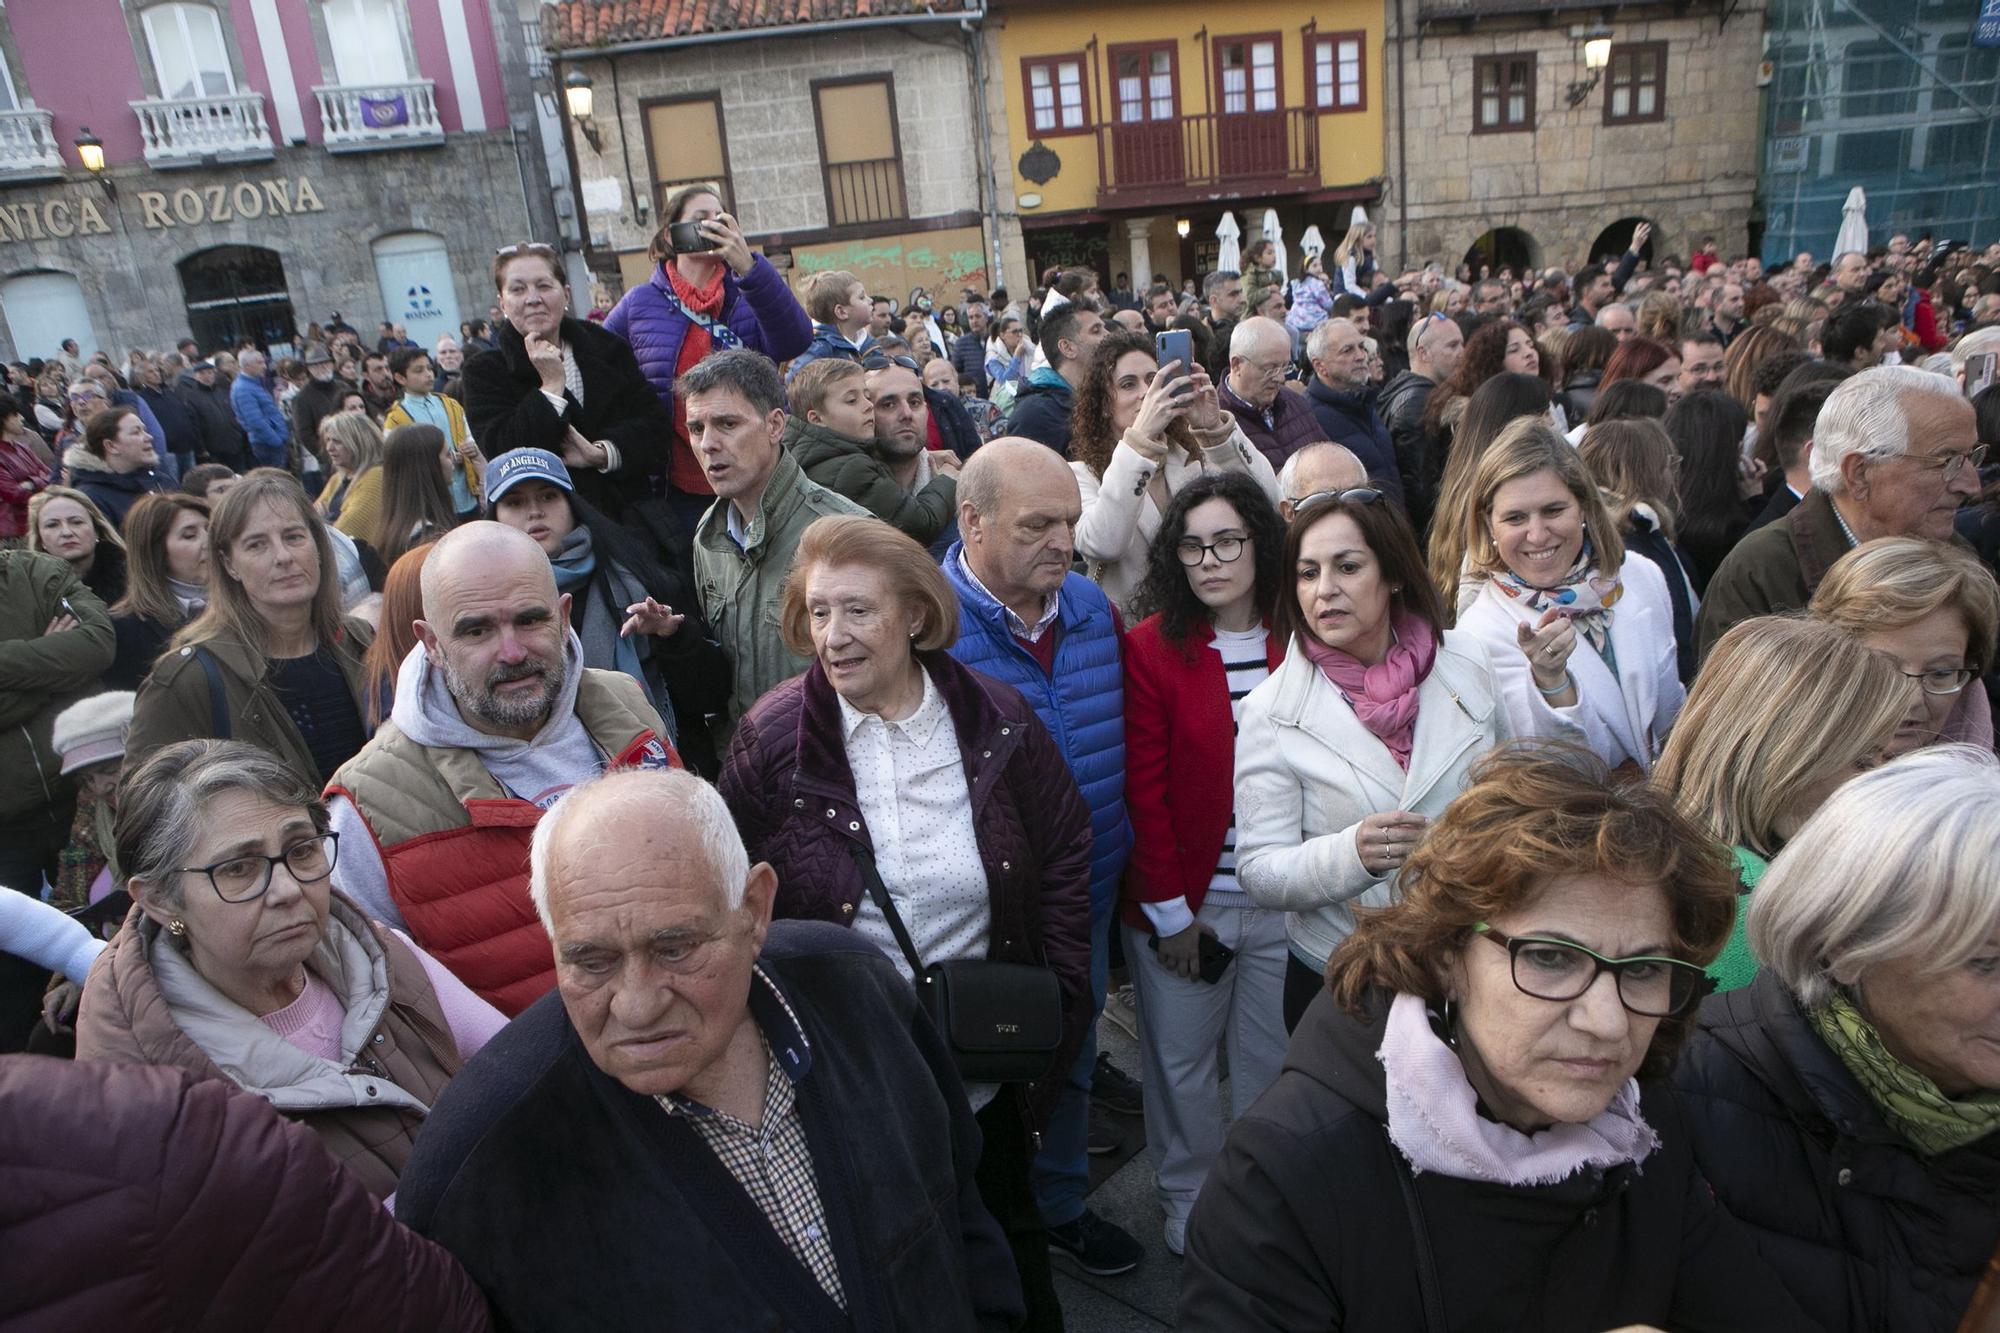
(1176, 345)
(686, 238)
(1215, 955)
(1980, 371)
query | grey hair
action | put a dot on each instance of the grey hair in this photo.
(1256, 332)
(1897, 865)
(1288, 475)
(1864, 416)
(1215, 280)
(1972, 344)
(751, 374)
(1323, 331)
(161, 805)
(673, 797)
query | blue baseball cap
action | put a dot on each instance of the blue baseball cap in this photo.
(519, 465)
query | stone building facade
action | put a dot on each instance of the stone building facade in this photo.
(1667, 134)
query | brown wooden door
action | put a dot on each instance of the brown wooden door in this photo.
(1250, 107)
(1145, 116)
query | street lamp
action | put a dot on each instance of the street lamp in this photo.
(90, 151)
(1596, 55)
(1183, 227)
(578, 94)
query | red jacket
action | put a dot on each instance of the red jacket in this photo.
(135, 1197)
(1180, 764)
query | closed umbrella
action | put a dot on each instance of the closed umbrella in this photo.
(1228, 256)
(1274, 232)
(1312, 243)
(1853, 224)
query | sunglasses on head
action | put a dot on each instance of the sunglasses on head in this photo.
(1360, 495)
(524, 248)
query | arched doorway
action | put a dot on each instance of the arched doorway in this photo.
(235, 292)
(43, 308)
(1504, 247)
(1613, 241)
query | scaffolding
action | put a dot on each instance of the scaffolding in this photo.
(1897, 96)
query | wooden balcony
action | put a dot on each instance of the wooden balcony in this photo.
(28, 149)
(362, 118)
(870, 191)
(1207, 157)
(185, 132)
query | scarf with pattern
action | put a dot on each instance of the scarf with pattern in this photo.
(1914, 1106)
(1583, 595)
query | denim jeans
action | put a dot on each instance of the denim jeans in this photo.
(1061, 1170)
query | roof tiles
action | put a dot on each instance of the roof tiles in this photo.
(572, 24)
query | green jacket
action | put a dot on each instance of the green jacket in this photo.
(1736, 967)
(741, 586)
(42, 674)
(174, 703)
(848, 467)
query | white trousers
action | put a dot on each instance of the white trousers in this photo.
(1181, 1025)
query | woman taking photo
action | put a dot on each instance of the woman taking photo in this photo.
(352, 499)
(1582, 640)
(240, 963)
(888, 761)
(1213, 577)
(1935, 610)
(1361, 736)
(1845, 1104)
(417, 507)
(67, 523)
(630, 614)
(167, 584)
(1637, 473)
(565, 385)
(1467, 1133)
(270, 659)
(1784, 712)
(1137, 437)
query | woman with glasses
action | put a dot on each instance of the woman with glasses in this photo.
(1846, 1105)
(1207, 963)
(1466, 1133)
(1582, 639)
(238, 961)
(1363, 733)
(1935, 610)
(1137, 437)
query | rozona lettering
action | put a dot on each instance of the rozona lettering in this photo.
(187, 207)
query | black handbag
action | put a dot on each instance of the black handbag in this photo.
(1002, 1021)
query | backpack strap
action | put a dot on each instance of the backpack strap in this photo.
(218, 700)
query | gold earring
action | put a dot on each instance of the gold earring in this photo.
(177, 928)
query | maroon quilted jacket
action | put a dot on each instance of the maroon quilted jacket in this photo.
(135, 1197)
(788, 783)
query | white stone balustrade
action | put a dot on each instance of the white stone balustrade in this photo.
(187, 131)
(28, 147)
(362, 117)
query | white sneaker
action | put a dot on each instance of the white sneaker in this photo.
(1176, 1234)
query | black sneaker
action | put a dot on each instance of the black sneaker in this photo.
(1115, 1090)
(1105, 1136)
(1096, 1246)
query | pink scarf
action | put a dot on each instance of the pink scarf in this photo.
(1434, 1119)
(1384, 696)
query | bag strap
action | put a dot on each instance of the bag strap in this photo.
(1427, 1276)
(218, 701)
(714, 328)
(879, 892)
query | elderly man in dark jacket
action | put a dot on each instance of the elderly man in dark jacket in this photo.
(716, 1122)
(1343, 405)
(133, 1196)
(1275, 419)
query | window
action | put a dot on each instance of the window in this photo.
(189, 55)
(860, 149)
(1246, 75)
(1145, 84)
(1635, 83)
(43, 308)
(685, 144)
(1340, 71)
(1503, 94)
(1057, 100)
(1877, 80)
(368, 41)
(8, 100)
(413, 271)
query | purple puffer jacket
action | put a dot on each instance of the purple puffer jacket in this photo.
(758, 307)
(788, 783)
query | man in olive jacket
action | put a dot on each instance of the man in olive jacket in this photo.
(763, 504)
(55, 641)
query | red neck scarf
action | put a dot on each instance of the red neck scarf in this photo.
(684, 470)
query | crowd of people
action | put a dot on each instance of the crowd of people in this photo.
(1514, 750)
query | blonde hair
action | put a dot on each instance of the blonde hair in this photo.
(1660, 316)
(825, 290)
(815, 381)
(1893, 582)
(230, 613)
(1896, 866)
(858, 541)
(1527, 446)
(1781, 704)
(107, 535)
(363, 438)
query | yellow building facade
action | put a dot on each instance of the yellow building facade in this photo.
(1133, 125)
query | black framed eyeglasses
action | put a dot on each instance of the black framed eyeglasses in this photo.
(1549, 969)
(1192, 552)
(1358, 495)
(246, 878)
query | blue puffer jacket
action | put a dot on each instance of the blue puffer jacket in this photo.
(1082, 704)
(758, 307)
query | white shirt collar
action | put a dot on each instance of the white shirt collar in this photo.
(1016, 625)
(918, 726)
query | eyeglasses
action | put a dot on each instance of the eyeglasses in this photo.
(1948, 464)
(1192, 552)
(1559, 970)
(246, 878)
(1941, 680)
(1359, 495)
